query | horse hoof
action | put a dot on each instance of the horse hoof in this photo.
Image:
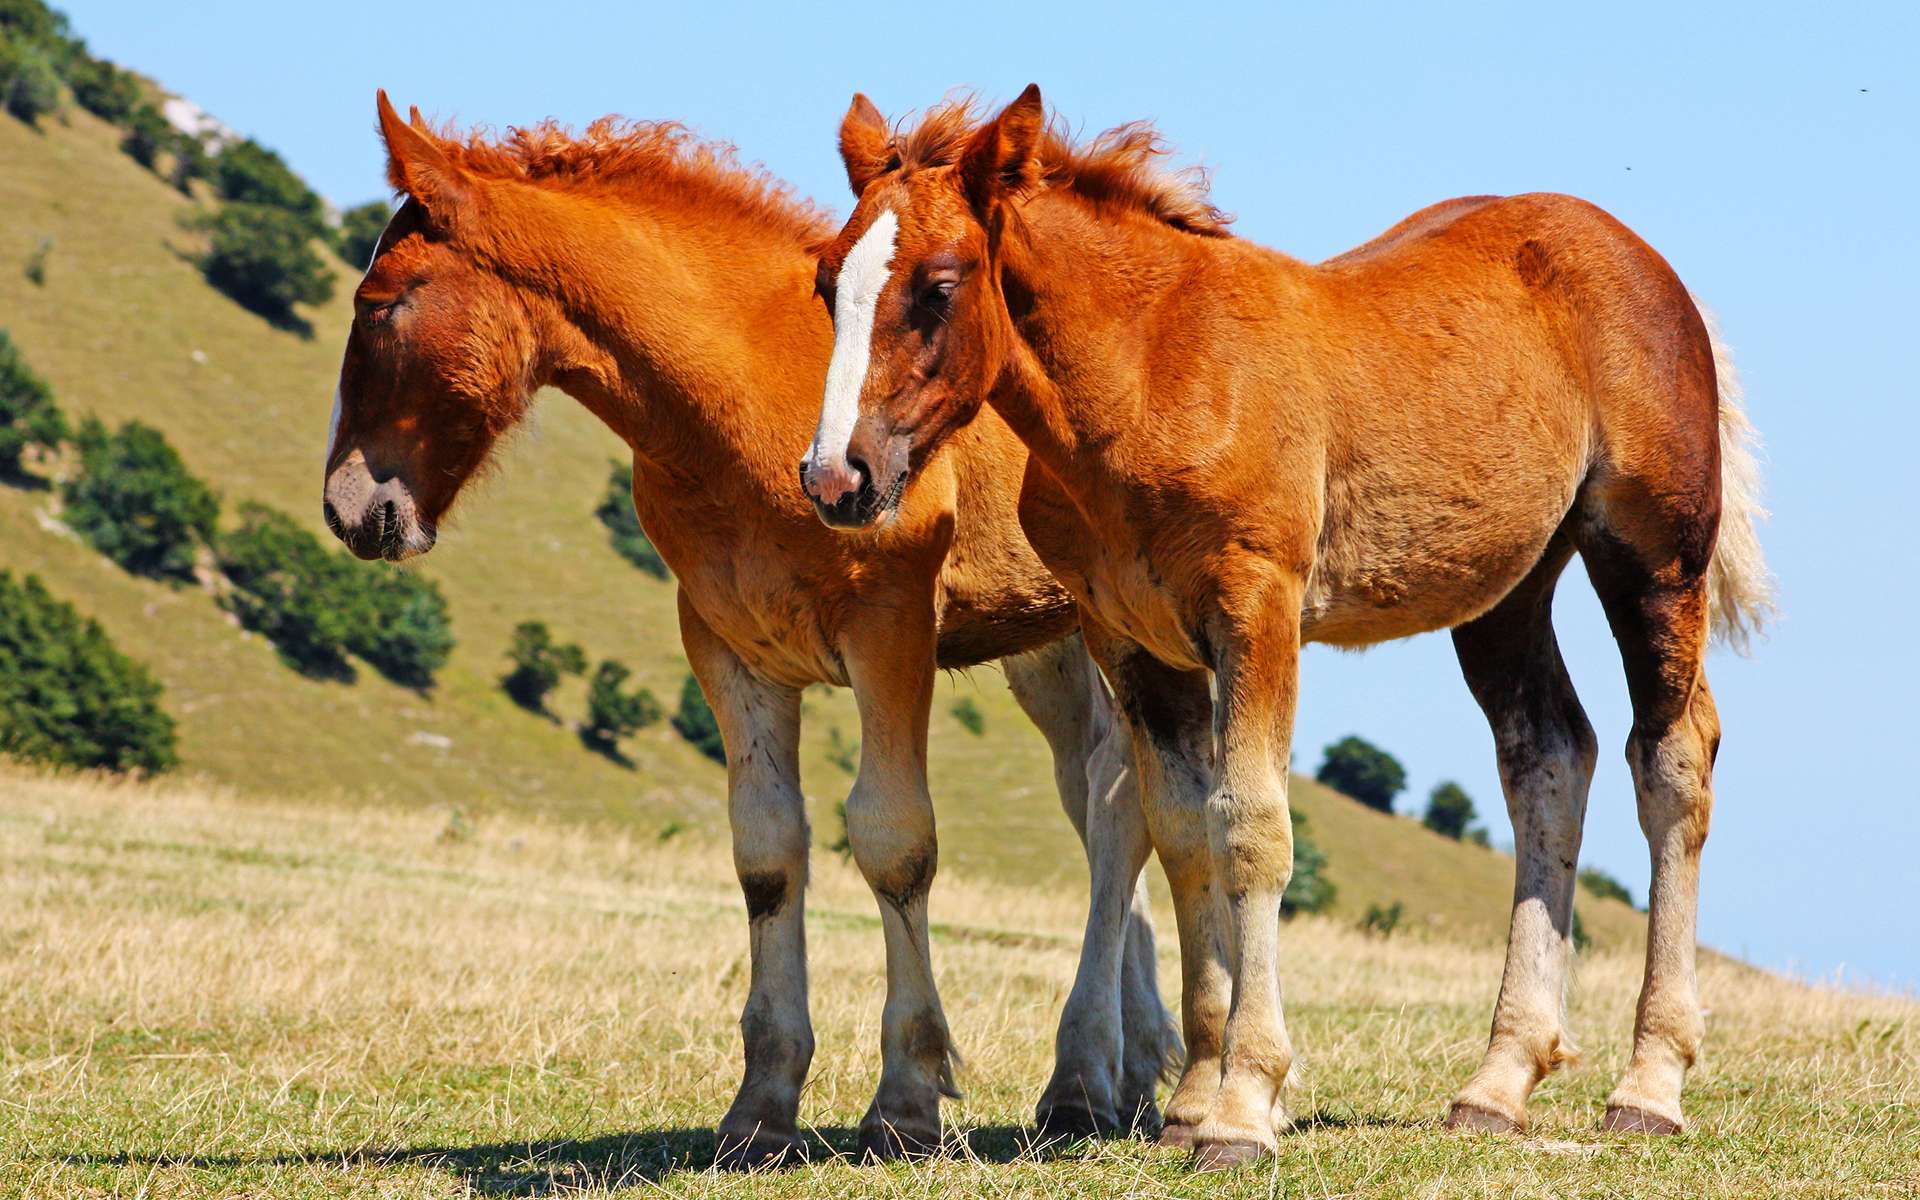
(1146, 1121)
(1471, 1118)
(759, 1152)
(1176, 1135)
(1228, 1153)
(1070, 1122)
(886, 1143)
(1628, 1119)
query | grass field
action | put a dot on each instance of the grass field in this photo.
(208, 994)
(125, 327)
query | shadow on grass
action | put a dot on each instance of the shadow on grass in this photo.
(542, 1166)
(20, 479)
(606, 748)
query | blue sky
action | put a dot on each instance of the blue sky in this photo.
(1771, 152)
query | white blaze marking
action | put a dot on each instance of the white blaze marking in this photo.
(855, 294)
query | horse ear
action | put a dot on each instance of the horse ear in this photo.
(865, 144)
(999, 159)
(416, 162)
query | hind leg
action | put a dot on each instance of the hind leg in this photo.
(1660, 621)
(1546, 748)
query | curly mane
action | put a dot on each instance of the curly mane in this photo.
(647, 157)
(1120, 166)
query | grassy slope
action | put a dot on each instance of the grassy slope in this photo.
(121, 327)
(205, 997)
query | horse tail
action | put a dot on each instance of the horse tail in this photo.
(1740, 589)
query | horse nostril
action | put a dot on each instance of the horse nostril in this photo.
(859, 466)
(332, 516)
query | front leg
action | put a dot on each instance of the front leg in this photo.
(1250, 839)
(890, 828)
(760, 724)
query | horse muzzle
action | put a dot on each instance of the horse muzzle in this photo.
(374, 517)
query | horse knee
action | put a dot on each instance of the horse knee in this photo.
(893, 845)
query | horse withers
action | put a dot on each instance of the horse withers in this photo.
(670, 292)
(1233, 453)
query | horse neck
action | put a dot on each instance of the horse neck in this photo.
(691, 336)
(1090, 276)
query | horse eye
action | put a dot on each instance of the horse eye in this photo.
(937, 297)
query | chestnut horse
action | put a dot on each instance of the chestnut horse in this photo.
(670, 292)
(1234, 452)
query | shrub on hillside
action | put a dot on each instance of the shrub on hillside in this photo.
(401, 623)
(1362, 770)
(613, 714)
(318, 605)
(29, 82)
(694, 721)
(1308, 890)
(147, 135)
(263, 258)
(360, 230)
(1605, 886)
(538, 665)
(1449, 810)
(1381, 920)
(969, 715)
(190, 161)
(287, 588)
(135, 501)
(623, 524)
(245, 172)
(68, 697)
(28, 415)
(103, 89)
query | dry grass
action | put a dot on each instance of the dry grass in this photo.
(206, 995)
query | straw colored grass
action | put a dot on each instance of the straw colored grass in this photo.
(205, 994)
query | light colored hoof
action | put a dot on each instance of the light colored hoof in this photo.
(1472, 1118)
(760, 1151)
(1228, 1153)
(1627, 1118)
(886, 1142)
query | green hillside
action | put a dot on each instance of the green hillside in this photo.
(123, 326)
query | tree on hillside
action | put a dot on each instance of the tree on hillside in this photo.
(1362, 770)
(262, 257)
(190, 161)
(1605, 886)
(287, 588)
(538, 665)
(28, 415)
(360, 230)
(613, 714)
(147, 135)
(1449, 810)
(67, 696)
(695, 722)
(103, 89)
(1308, 889)
(135, 501)
(29, 81)
(401, 625)
(245, 172)
(623, 524)
(968, 713)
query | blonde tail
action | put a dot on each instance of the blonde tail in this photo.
(1739, 586)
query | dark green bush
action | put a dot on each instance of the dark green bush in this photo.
(1364, 771)
(402, 626)
(245, 172)
(288, 588)
(1309, 889)
(147, 135)
(1449, 810)
(103, 89)
(136, 502)
(28, 415)
(190, 161)
(538, 665)
(623, 524)
(68, 697)
(263, 258)
(969, 715)
(360, 230)
(613, 714)
(29, 81)
(1605, 886)
(694, 721)
(1382, 920)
